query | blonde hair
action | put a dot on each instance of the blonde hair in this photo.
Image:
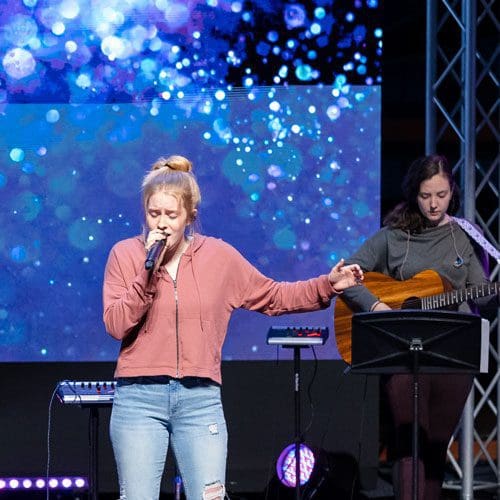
(173, 175)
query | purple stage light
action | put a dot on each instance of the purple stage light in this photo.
(55, 483)
(13, 484)
(80, 482)
(285, 465)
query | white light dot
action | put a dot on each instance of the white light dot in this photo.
(70, 46)
(220, 95)
(19, 63)
(66, 482)
(83, 81)
(52, 116)
(58, 28)
(274, 106)
(69, 9)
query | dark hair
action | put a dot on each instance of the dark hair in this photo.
(407, 215)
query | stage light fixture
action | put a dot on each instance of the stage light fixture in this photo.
(54, 483)
(286, 465)
(13, 484)
(323, 475)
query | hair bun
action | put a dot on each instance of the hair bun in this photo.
(174, 162)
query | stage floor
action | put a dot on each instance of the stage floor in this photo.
(382, 491)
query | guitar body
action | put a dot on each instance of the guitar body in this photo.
(389, 290)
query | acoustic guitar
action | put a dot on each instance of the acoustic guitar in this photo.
(426, 290)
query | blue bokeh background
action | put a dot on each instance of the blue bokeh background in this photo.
(277, 104)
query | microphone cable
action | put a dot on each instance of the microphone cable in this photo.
(310, 397)
(49, 430)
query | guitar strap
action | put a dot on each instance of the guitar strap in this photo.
(478, 237)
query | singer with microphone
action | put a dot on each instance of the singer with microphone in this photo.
(168, 295)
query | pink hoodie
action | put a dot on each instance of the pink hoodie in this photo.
(178, 328)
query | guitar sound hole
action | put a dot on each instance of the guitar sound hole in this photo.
(412, 303)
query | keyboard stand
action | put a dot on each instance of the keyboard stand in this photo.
(93, 452)
(297, 338)
(91, 395)
(94, 448)
(296, 401)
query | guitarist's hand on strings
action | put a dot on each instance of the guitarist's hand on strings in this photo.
(344, 276)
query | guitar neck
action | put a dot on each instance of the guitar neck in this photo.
(458, 296)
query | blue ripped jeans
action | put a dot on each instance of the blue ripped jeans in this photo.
(149, 413)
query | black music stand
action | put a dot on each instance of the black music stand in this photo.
(416, 341)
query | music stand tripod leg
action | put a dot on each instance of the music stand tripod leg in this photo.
(415, 348)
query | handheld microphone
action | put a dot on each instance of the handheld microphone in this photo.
(153, 253)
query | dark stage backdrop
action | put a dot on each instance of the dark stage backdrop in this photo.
(259, 407)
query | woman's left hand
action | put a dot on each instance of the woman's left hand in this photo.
(342, 276)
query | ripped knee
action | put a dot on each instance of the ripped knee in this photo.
(214, 491)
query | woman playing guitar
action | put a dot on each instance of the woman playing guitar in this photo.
(420, 234)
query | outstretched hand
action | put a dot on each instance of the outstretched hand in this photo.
(344, 276)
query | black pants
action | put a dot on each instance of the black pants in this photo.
(441, 401)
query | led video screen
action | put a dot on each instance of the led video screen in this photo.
(277, 104)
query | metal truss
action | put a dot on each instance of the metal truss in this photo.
(462, 122)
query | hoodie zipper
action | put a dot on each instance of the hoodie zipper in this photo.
(176, 297)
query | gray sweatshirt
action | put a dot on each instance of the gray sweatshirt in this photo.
(401, 255)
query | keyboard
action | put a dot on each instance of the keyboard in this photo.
(297, 336)
(86, 392)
